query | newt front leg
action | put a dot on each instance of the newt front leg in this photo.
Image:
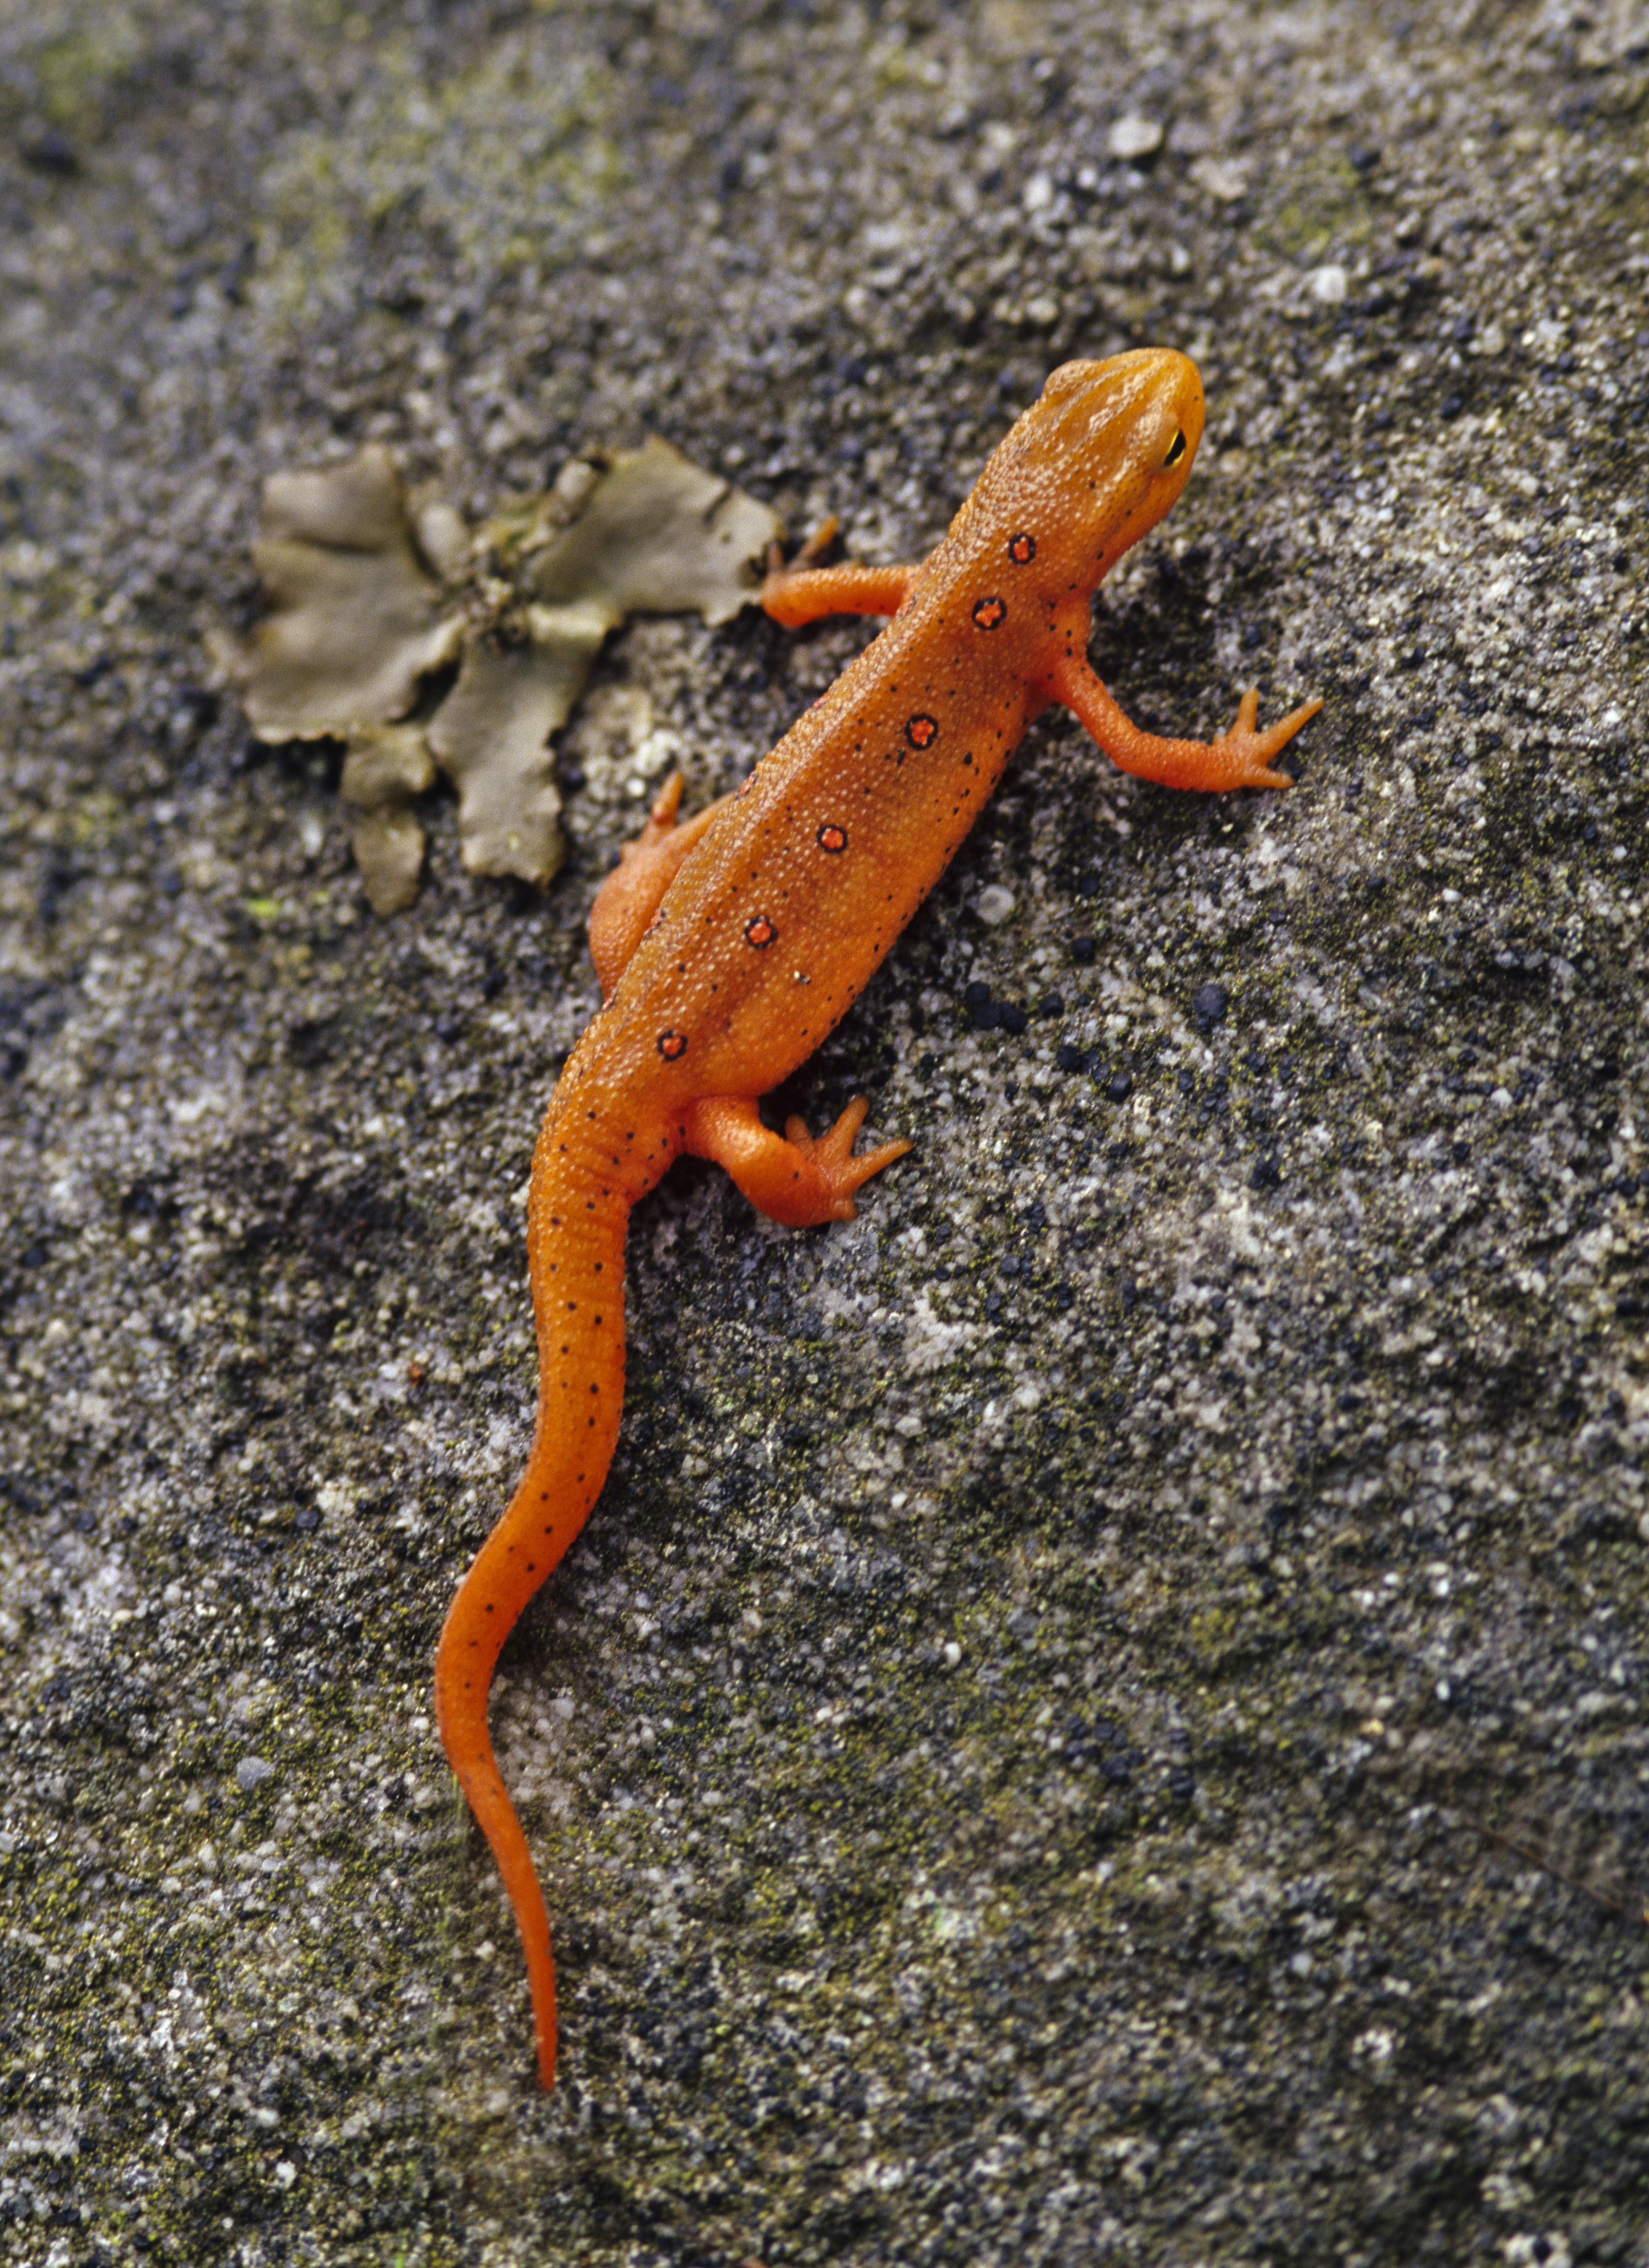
(1238, 758)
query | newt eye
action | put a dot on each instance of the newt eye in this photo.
(1176, 451)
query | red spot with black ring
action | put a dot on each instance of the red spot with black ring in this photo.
(673, 1046)
(760, 932)
(989, 614)
(833, 839)
(1022, 548)
(922, 731)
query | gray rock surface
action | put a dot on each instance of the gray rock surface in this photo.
(1004, 1757)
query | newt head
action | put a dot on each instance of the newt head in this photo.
(1096, 461)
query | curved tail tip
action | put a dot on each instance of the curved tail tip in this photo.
(541, 1983)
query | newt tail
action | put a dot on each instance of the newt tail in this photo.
(579, 1302)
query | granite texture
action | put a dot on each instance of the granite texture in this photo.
(1013, 1759)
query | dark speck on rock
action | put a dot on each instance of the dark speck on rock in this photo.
(1209, 1004)
(49, 151)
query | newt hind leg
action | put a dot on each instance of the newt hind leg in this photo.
(633, 892)
(791, 1178)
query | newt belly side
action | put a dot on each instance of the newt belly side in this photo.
(731, 945)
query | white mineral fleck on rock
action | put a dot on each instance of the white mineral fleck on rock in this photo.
(1224, 180)
(1133, 137)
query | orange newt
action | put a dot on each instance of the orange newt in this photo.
(728, 947)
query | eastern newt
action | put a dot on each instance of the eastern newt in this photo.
(730, 945)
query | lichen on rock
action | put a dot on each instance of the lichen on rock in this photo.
(385, 766)
(491, 735)
(355, 622)
(371, 602)
(656, 535)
